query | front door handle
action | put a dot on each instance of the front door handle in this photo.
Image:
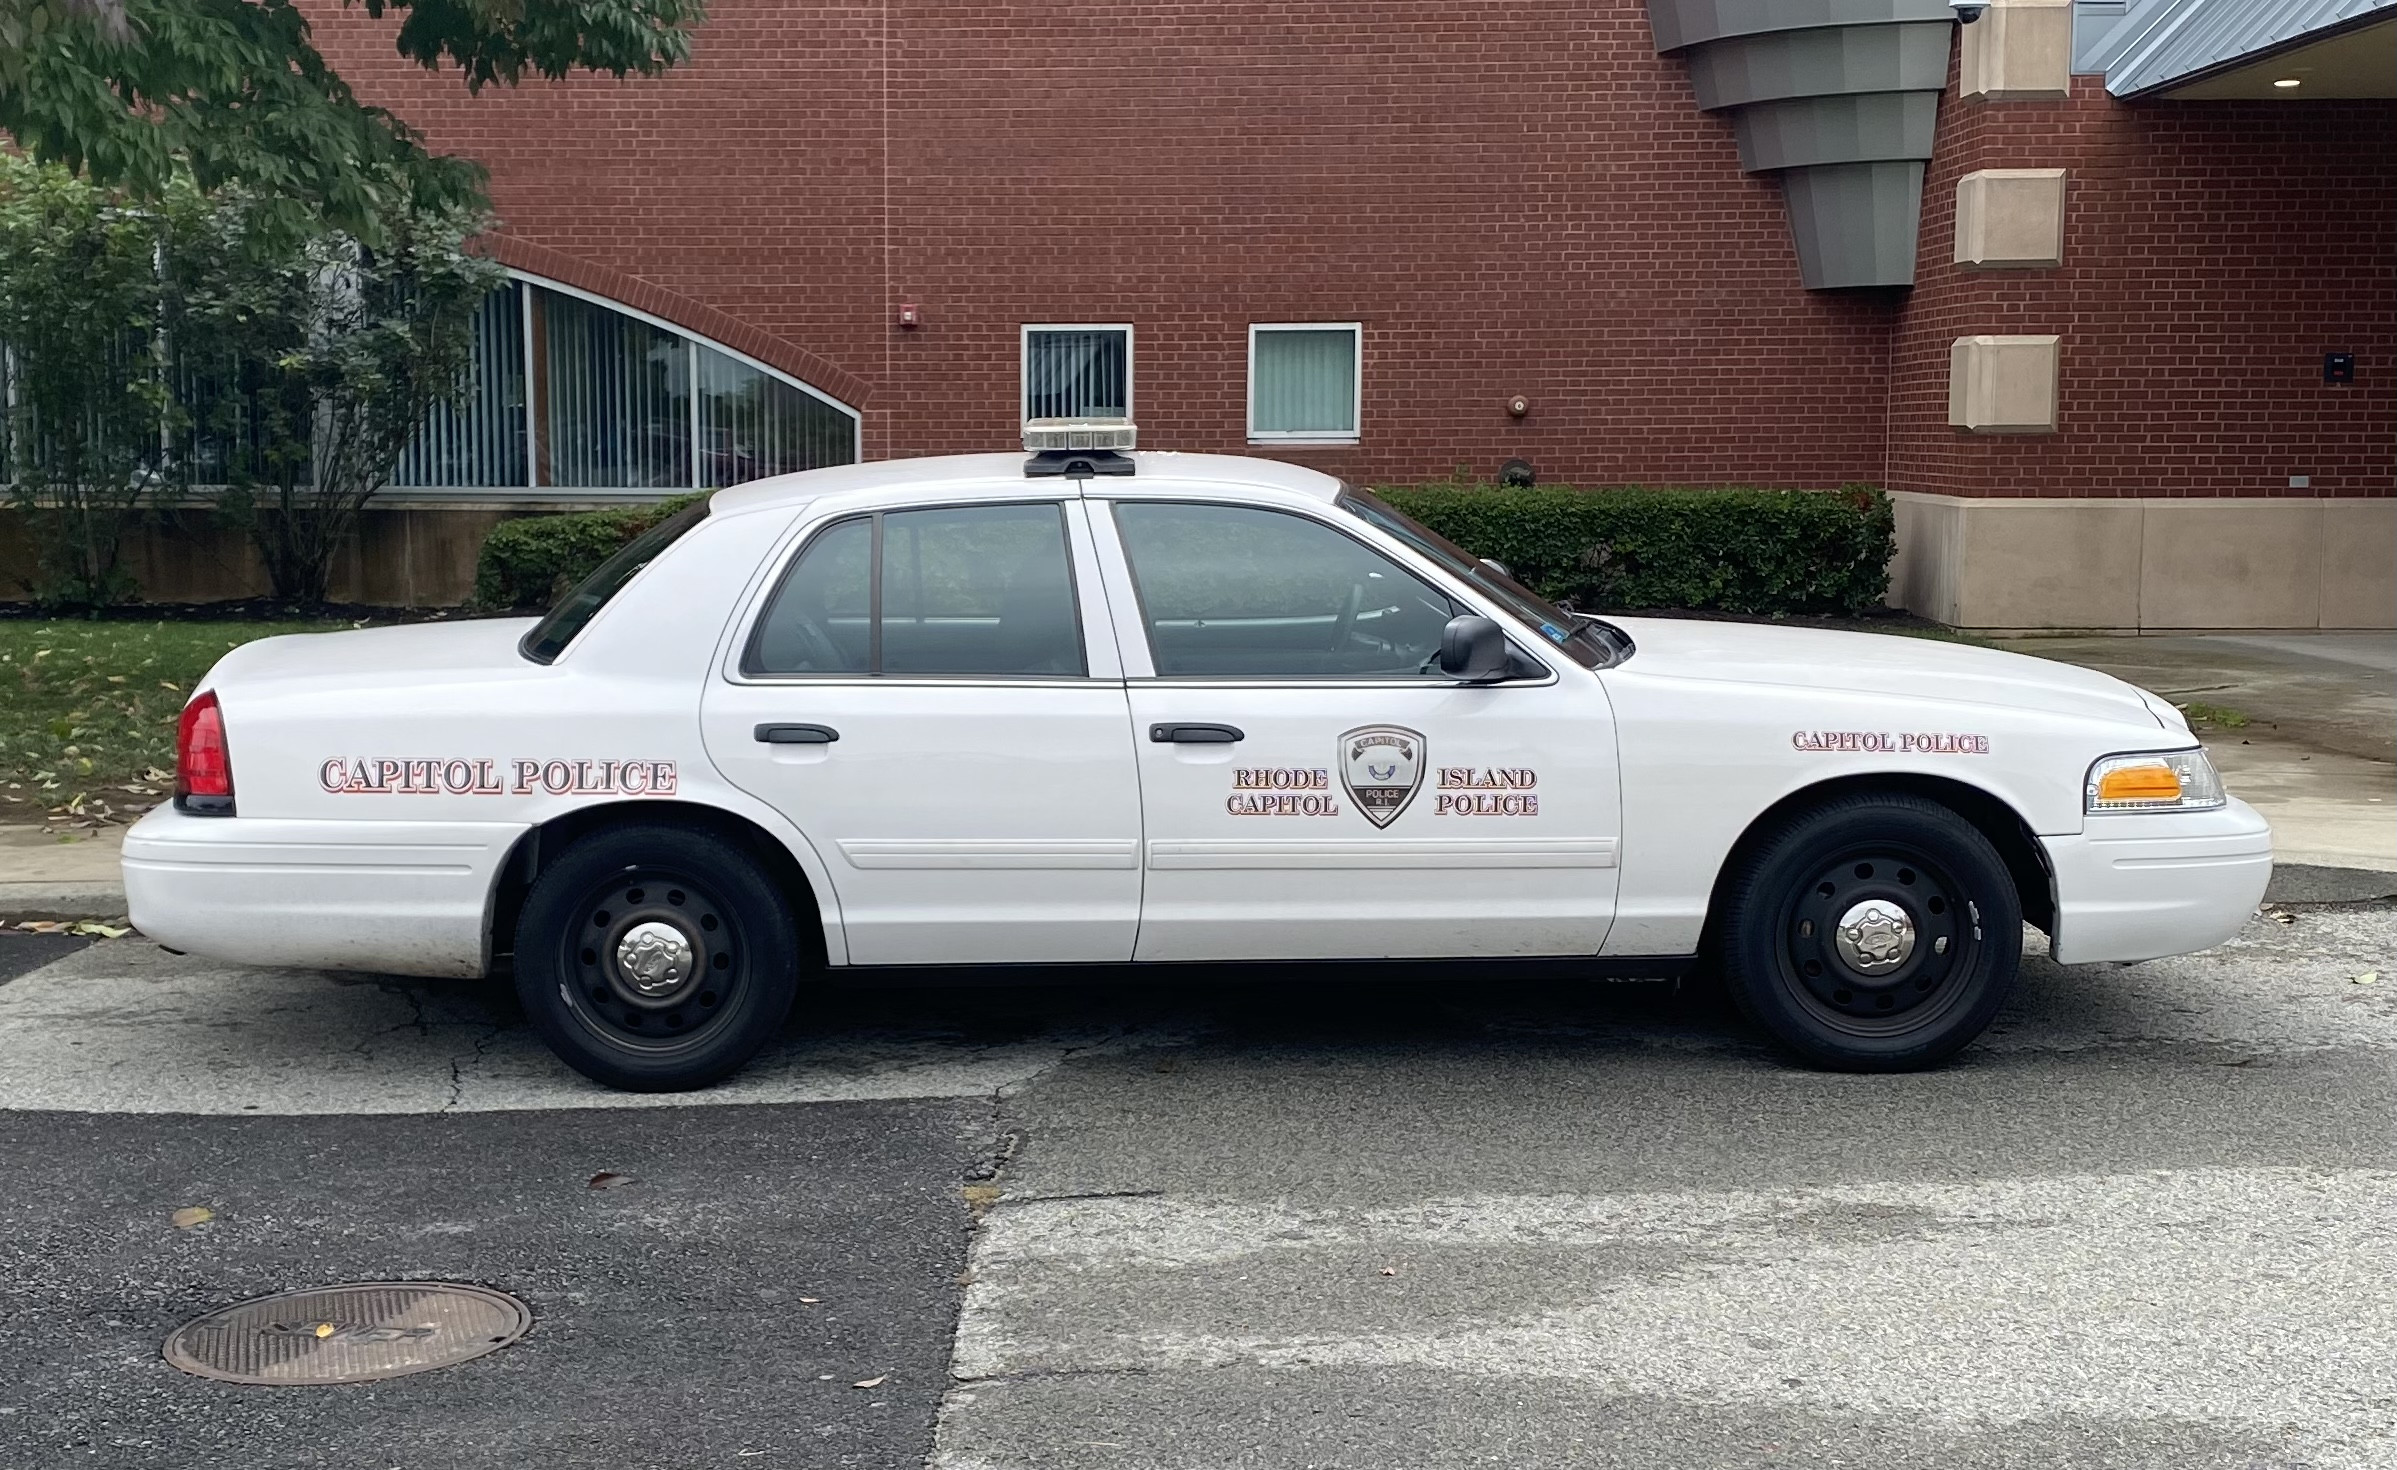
(797, 734)
(1195, 734)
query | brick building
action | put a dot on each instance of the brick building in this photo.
(2065, 280)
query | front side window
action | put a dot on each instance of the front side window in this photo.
(961, 590)
(1077, 373)
(1302, 381)
(1232, 591)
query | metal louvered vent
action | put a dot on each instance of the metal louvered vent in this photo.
(348, 1334)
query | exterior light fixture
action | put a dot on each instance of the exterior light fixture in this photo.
(2290, 82)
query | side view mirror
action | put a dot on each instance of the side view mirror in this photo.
(1473, 648)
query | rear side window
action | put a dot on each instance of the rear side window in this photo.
(550, 636)
(961, 590)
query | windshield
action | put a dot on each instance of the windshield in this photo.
(1584, 639)
(551, 635)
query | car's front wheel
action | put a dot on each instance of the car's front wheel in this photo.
(1872, 933)
(654, 959)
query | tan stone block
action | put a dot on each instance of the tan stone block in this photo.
(2010, 218)
(2003, 385)
(2020, 50)
(2359, 563)
(2231, 564)
(2046, 565)
(1922, 575)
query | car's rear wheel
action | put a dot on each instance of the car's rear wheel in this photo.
(1872, 933)
(654, 959)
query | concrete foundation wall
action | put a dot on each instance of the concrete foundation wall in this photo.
(2146, 565)
(403, 556)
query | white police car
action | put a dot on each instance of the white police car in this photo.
(1100, 708)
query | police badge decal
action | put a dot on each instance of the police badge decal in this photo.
(1381, 765)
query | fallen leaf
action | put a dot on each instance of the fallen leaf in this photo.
(605, 1180)
(2369, 977)
(980, 1197)
(191, 1215)
(870, 1382)
(324, 1329)
(104, 931)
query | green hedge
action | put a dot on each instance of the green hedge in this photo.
(1735, 551)
(532, 562)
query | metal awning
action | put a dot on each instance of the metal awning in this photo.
(2169, 47)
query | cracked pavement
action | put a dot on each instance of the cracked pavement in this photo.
(1482, 1222)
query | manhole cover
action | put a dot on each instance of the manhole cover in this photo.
(348, 1334)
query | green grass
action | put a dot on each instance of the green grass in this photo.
(2219, 716)
(87, 709)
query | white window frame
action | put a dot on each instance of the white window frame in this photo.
(1356, 406)
(1023, 360)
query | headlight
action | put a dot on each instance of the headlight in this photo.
(2154, 781)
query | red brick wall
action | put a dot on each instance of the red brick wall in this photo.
(2213, 252)
(1514, 199)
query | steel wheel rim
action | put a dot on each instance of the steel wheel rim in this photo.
(615, 962)
(1939, 921)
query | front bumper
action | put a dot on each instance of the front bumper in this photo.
(405, 898)
(2142, 885)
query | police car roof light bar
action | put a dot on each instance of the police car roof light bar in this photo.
(1077, 464)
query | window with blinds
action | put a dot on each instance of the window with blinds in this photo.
(1303, 381)
(1077, 372)
(571, 395)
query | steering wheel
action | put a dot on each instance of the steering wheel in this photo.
(1346, 623)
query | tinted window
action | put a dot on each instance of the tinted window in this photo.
(551, 635)
(1590, 642)
(983, 589)
(1232, 592)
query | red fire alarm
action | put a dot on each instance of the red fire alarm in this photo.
(910, 315)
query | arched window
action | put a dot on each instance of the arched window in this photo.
(574, 397)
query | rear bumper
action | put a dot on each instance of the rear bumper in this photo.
(2134, 886)
(405, 898)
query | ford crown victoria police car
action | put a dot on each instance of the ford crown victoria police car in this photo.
(1095, 708)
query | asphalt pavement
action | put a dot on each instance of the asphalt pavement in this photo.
(1475, 1222)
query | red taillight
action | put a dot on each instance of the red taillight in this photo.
(203, 770)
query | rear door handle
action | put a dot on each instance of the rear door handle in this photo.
(797, 734)
(1195, 734)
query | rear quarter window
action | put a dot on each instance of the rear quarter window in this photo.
(550, 636)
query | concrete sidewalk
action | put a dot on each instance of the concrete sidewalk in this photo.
(55, 875)
(2302, 726)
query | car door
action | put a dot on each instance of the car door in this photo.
(1312, 786)
(928, 694)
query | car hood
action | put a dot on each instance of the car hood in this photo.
(470, 647)
(1914, 668)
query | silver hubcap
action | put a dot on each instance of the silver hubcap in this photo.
(655, 959)
(1874, 937)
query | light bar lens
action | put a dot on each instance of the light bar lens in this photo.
(2154, 781)
(1040, 434)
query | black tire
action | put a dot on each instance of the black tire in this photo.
(1927, 964)
(599, 976)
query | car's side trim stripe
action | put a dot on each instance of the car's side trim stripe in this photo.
(954, 853)
(1476, 852)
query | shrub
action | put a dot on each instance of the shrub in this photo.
(1735, 551)
(532, 562)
